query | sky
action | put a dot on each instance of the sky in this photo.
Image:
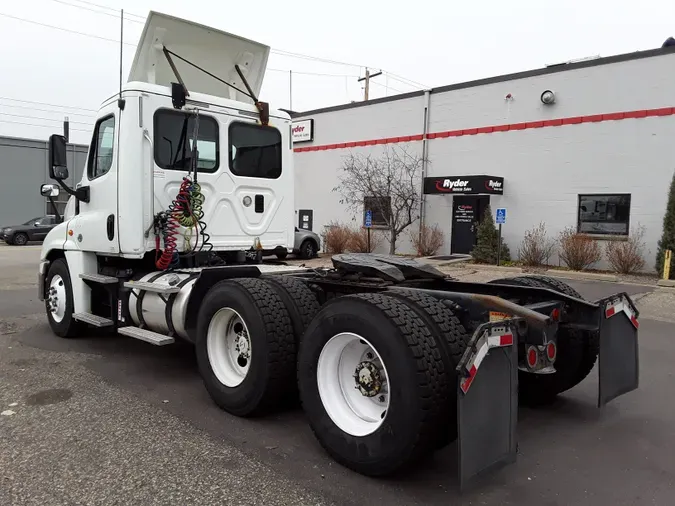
(48, 72)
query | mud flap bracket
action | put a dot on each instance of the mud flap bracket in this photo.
(487, 400)
(618, 368)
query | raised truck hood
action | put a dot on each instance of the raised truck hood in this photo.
(213, 50)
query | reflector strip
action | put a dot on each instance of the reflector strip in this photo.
(619, 306)
(483, 345)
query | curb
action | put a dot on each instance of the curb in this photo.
(486, 267)
(668, 283)
(589, 276)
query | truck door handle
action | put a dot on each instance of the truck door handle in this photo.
(259, 204)
(110, 225)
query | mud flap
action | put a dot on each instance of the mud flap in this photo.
(618, 368)
(487, 400)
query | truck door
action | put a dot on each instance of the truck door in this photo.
(95, 227)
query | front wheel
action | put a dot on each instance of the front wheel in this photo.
(59, 300)
(20, 239)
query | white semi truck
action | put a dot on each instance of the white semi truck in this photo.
(189, 176)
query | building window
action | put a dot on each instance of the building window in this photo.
(174, 135)
(604, 214)
(101, 150)
(381, 209)
(255, 151)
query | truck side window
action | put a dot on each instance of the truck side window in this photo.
(174, 131)
(101, 151)
(255, 150)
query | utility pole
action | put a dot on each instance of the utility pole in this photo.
(290, 90)
(367, 79)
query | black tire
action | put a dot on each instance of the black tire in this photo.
(300, 301)
(67, 327)
(281, 255)
(308, 249)
(575, 349)
(587, 341)
(271, 374)
(451, 338)
(20, 239)
(415, 416)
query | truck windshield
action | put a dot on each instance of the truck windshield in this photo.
(173, 141)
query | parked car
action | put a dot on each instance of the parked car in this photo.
(33, 230)
(307, 245)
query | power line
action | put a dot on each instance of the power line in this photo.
(108, 8)
(110, 14)
(50, 105)
(313, 73)
(47, 110)
(409, 82)
(42, 119)
(41, 126)
(386, 86)
(63, 29)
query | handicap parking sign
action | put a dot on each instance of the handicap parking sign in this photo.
(501, 216)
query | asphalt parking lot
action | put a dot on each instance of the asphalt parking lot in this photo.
(109, 420)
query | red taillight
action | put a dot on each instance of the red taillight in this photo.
(532, 357)
(555, 315)
(551, 351)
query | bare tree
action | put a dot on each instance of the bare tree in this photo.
(389, 185)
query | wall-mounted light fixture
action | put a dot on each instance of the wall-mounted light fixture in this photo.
(548, 97)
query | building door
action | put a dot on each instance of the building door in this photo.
(466, 213)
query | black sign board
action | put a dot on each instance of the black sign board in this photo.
(464, 185)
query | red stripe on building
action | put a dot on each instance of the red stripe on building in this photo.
(575, 120)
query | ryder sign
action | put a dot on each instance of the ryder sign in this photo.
(464, 185)
(302, 131)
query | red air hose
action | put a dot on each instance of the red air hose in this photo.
(169, 225)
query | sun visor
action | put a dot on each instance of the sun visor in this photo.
(213, 50)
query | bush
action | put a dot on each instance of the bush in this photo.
(428, 241)
(336, 238)
(578, 251)
(358, 240)
(487, 241)
(536, 248)
(627, 257)
(667, 241)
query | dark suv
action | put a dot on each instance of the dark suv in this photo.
(33, 230)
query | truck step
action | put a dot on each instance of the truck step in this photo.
(99, 278)
(151, 287)
(92, 319)
(146, 335)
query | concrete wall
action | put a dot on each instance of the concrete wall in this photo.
(545, 169)
(23, 168)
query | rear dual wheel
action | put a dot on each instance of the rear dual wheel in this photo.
(374, 381)
(577, 351)
(247, 339)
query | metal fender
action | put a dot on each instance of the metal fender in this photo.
(487, 400)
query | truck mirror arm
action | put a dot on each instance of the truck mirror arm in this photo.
(81, 193)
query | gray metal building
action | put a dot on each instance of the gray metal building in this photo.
(23, 169)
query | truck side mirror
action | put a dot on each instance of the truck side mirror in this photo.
(49, 190)
(58, 163)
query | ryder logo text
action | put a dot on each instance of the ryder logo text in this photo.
(450, 185)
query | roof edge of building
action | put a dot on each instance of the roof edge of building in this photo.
(553, 69)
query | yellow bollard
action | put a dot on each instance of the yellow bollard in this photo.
(666, 264)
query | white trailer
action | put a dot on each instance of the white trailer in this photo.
(189, 177)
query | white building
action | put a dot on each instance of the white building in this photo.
(599, 158)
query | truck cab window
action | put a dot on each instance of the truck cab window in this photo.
(255, 151)
(101, 151)
(173, 140)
